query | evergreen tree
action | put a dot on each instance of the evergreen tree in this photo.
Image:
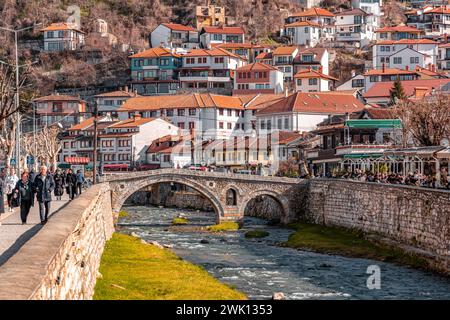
(397, 92)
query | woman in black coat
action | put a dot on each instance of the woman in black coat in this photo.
(24, 192)
(2, 200)
(71, 184)
(59, 184)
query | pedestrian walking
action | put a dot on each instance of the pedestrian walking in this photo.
(59, 184)
(2, 196)
(10, 183)
(25, 196)
(71, 184)
(44, 186)
(80, 182)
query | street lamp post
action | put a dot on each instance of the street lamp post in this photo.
(17, 97)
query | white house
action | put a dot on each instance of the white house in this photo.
(435, 21)
(306, 33)
(302, 111)
(398, 33)
(355, 27)
(283, 60)
(121, 143)
(310, 80)
(356, 82)
(172, 35)
(63, 36)
(372, 7)
(444, 56)
(322, 17)
(258, 78)
(209, 69)
(170, 152)
(312, 58)
(405, 53)
(209, 36)
(384, 74)
(109, 102)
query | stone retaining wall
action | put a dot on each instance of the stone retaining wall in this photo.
(62, 260)
(418, 217)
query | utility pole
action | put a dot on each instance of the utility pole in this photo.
(94, 169)
(17, 94)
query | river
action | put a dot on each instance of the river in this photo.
(259, 268)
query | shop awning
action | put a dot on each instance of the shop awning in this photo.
(362, 155)
(116, 166)
(443, 154)
(374, 123)
(77, 160)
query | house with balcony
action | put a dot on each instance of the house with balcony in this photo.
(121, 142)
(210, 36)
(305, 33)
(371, 7)
(265, 57)
(173, 35)
(444, 56)
(109, 102)
(209, 15)
(399, 32)
(64, 109)
(211, 116)
(434, 21)
(247, 50)
(258, 78)
(171, 151)
(322, 20)
(354, 83)
(302, 111)
(355, 27)
(371, 77)
(63, 36)
(309, 80)
(406, 53)
(347, 140)
(154, 71)
(283, 58)
(312, 58)
(209, 70)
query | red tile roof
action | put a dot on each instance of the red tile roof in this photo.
(284, 51)
(303, 24)
(442, 10)
(61, 26)
(310, 73)
(399, 29)
(320, 102)
(355, 11)
(224, 30)
(264, 56)
(257, 66)
(216, 52)
(407, 41)
(382, 89)
(132, 123)
(179, 27)
(313, 12)
(118, 94)
(155, 53)
(388, 71)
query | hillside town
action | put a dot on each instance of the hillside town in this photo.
(334, 95)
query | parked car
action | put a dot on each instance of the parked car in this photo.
(244, 172)
(220, 169)
(198, 167)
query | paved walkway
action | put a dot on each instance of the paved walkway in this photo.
(13, 235)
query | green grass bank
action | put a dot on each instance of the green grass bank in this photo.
(132, 270)
(349, 243)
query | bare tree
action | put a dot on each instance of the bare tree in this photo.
(8, 138)
(49, 145)
(426, 121)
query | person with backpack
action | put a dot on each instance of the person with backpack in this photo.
(24, 196)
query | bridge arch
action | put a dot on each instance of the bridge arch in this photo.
(121, 191)
(282, 201)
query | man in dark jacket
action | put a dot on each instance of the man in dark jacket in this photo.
(43, 185)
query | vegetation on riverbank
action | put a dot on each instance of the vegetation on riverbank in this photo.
(350, 243)
(224, 226)
(132, 270)
(123, 214)
(256, 234)
(179, 221)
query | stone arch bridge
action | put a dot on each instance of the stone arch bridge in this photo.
(228, 193)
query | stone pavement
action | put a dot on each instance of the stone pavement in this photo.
(13, 235)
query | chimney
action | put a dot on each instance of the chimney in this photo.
(126, 88)
(286, 93)
(137, 116)
(383, 66)
(420, 92)
(407, 68)
(320, 69)
(353, 73)
(433, 68)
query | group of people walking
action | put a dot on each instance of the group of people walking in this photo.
(22, 192)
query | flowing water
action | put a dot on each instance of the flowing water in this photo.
(259, 268)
